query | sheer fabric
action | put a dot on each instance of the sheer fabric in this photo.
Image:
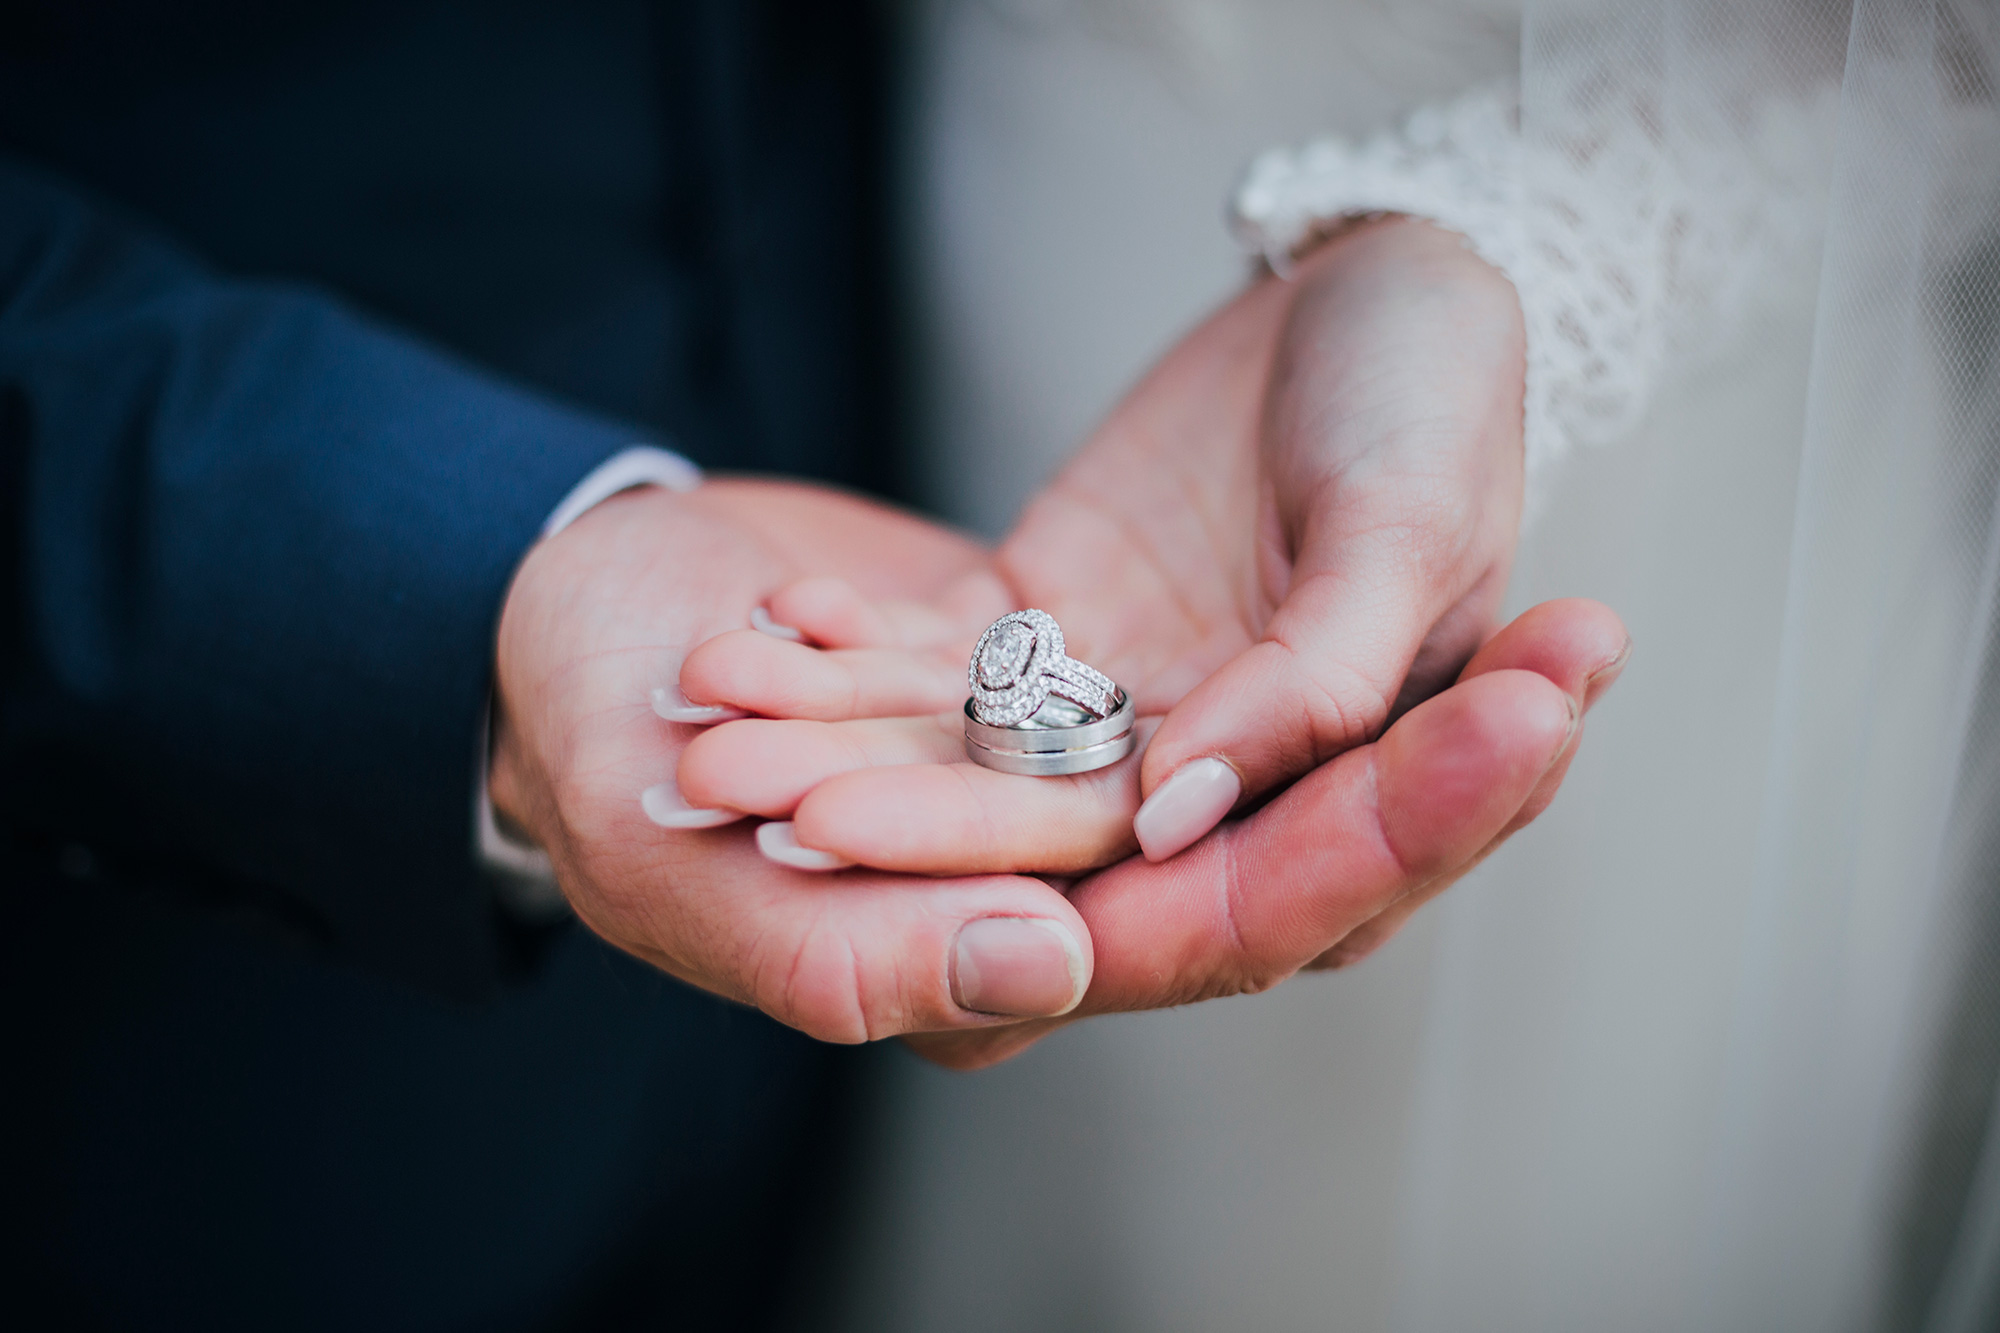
(1805, 1068)
(1715, 1044)
(1673, 182)
(1637, 248)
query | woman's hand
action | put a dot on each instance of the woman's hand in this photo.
(1299, 525)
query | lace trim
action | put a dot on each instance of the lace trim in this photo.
(1625, 255)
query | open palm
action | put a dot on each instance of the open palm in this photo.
(1297, 526)
(1295, 530)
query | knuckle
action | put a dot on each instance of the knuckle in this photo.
(703, 768)
(708, 666)
(753, 669)
(1247, 968)
(1339, 707)
(818, 984)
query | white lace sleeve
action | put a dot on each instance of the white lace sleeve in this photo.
(1624, 254)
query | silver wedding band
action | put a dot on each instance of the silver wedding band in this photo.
(1035, 710)
(1042, 750)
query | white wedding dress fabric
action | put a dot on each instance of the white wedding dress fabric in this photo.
(1714, 1045)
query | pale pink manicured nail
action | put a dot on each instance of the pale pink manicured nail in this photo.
(1186, 806)
(665, 806)
(1021, 966)
(779, 842)
(672, 705)
(760, 620)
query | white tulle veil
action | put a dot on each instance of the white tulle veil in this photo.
(1748, 991)
(1716, 1045)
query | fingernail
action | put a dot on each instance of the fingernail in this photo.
(664, 806)
(1575, 725)
(1021, 966)
(670, 704)
(760, 620)
(1186, 806)
(1605, 676)
(779, 842)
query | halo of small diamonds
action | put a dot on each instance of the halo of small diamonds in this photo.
(1009, 671)
(1010, 724)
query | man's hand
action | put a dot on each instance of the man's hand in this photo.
(598, 619)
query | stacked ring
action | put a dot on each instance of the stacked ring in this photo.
(1035, 710)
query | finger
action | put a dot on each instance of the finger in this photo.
(765, 767)
(930, 819)
(666, 805)
(845, 957)
(835, 614)
(1372, 934)
(1281, 707)
(1246, 908)
(761, 674)
(761, 621)
(850, 957)
(832, 613)
(1395, 471)
(1329, 674)
(672, 706)
(1580, 646)
(1377, 931)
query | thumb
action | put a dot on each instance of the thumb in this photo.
(1366, 614)
(1392, 482)
(847, 957)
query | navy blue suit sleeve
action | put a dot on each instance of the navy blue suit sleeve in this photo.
(254, 553)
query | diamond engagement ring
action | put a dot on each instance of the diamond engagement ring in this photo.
(1035, 710)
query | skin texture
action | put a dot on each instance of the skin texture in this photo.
(1298, 526)
(1326, 872)
(598, 617)
(1291, 535)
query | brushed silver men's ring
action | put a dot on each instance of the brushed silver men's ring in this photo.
(1037, 711)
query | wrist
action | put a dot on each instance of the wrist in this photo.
(565, 588)
(1402, 242)
(507, 781)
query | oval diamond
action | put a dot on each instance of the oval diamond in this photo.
(1005, 656)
